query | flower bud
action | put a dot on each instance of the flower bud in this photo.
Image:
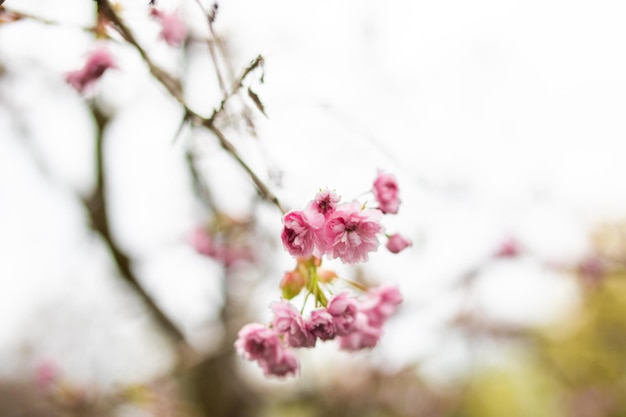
(291, 284)
(397, 243)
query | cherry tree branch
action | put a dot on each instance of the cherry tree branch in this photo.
(175, 89)
(99, 215)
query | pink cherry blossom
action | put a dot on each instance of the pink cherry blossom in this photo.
(289, 323)
(351, 233)
(343, 309)
(46, 374)
(364, 335)
(202, 242)
(509, 248)
(321, 324)
(228, 255)
(173, 29)
(397, 243)
(98, 61)
(386, 193)
(284, 364)
(325, 202)
(301, 233)
(257, 342)
(380, 303)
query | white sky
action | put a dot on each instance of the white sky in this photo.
(496, 116)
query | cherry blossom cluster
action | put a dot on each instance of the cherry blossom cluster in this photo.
(327, 228)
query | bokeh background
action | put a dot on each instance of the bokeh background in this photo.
(502, 121)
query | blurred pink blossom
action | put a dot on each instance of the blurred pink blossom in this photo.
(173, 29)
(98, 61)
(46, 374)
(222, 251)
(508, 248)
(284, 364)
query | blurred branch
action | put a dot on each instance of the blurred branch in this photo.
(98, 213)
(8, 15)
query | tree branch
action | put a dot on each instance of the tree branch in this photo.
(98, 213)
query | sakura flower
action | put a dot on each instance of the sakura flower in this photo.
(343, 310)
(325, 202)
(46, 374)
(221, 251)
(301, 231)
(351, 233)
(397, 243)
(321, 324)
(386, 193)
(173, 29)
(509, 248)
(256, 342)
(98, 61)
(365, 335)
(380, 304)
(289, 323)
(284, 364)
(202, 242)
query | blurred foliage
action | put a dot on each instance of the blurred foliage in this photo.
(573, 368)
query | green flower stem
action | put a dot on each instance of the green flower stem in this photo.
(313, 285)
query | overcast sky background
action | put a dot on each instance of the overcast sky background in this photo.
(497, 117)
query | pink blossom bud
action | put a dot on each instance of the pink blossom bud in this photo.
(173, 29)
(291, 284)
(397, 243)
(386, 192)
(326, 276)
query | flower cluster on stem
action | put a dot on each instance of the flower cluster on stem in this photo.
(327, 228)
